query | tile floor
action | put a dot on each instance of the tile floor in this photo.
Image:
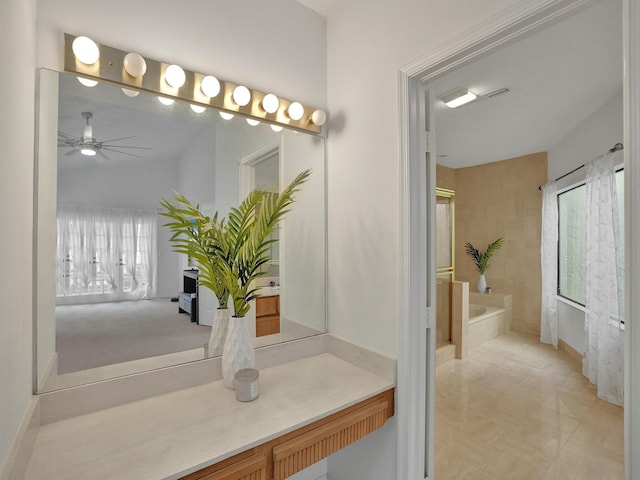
(517, 409)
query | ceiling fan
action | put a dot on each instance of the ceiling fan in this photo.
(89, 146)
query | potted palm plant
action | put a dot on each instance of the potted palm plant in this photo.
(232, 252)
(481, 260)
(198, 236)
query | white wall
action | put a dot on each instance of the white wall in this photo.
(197, 167)
(233, 144)
(592, 137)
(17, 48)
(303, 235)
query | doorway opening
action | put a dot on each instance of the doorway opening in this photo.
(417, 111)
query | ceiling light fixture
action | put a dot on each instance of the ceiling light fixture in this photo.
(197, 108)
(295, 111)
(226, 116)
(87, 58)
(210, 86)
(130, 93)
(88, 150)
(166, 101)
(241, 95)
(318, 117)
(458, 97)
(270, 103)
(134, 65)
(276, 128)
(252, 122)
(174, 75)
(86, 82)
(86, 50)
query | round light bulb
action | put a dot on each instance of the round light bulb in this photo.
(174, 75)
(130, 93)
(318, 117)
(226, 116)
(241, 95)
(166, 101)
(85, 50)
(270, 103)
(295, 111)
(210, 86)
(86, 82)
(252, 122)
(197, 108)
(276, 128)
(134, 64)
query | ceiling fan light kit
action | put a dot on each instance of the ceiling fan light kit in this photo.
(88, 145)
(85, 57)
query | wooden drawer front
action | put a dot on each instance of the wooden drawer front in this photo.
(267, 325)
(252, 468)
(266, 306)
(305, 450)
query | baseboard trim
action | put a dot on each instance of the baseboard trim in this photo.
(15, 466)
(573, 354)
(51, 370)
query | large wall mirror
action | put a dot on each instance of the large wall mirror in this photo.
(113, 299)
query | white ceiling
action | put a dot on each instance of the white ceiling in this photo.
(557, 77)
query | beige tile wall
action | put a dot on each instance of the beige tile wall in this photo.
(502, 199)
(445, 177)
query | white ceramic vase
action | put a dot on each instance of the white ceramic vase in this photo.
(238, 352)
(482, 284)
(218, 332)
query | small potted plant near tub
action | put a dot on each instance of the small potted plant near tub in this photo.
(481, 260)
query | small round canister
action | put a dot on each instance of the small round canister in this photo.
(247, 385)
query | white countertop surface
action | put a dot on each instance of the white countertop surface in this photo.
(171, 435)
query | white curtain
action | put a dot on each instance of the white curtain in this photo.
(549, 264)
(108, 248)
(147, 242)
(604, 337)
(107, 251)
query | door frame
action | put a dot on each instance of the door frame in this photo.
(415, 375)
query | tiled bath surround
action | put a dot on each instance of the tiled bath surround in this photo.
(502, 199)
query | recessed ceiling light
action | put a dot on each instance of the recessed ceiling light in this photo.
(226, 116)
(458, 97)
(166, 101)
(87, 82)
(197, 108)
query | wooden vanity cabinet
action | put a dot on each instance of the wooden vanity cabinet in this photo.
(288, 454)
(267, 315)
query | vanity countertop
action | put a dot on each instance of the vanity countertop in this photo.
(170, 435)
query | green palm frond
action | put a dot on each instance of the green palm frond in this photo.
(481, 260)
(198, 236)
(231, 252)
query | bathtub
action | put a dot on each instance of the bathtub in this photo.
(485, 322)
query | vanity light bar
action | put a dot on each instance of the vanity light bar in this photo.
(110, 67)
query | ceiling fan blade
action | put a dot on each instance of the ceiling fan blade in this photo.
(124, 146)
(66, 135)
(120, 151)
(72, 151)
(116, 139)
(102, 154)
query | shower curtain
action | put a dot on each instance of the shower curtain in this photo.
(549, 260)
(604, 336)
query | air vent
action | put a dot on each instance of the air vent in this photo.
(495, 93)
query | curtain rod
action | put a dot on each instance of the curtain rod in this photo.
(617, 147)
